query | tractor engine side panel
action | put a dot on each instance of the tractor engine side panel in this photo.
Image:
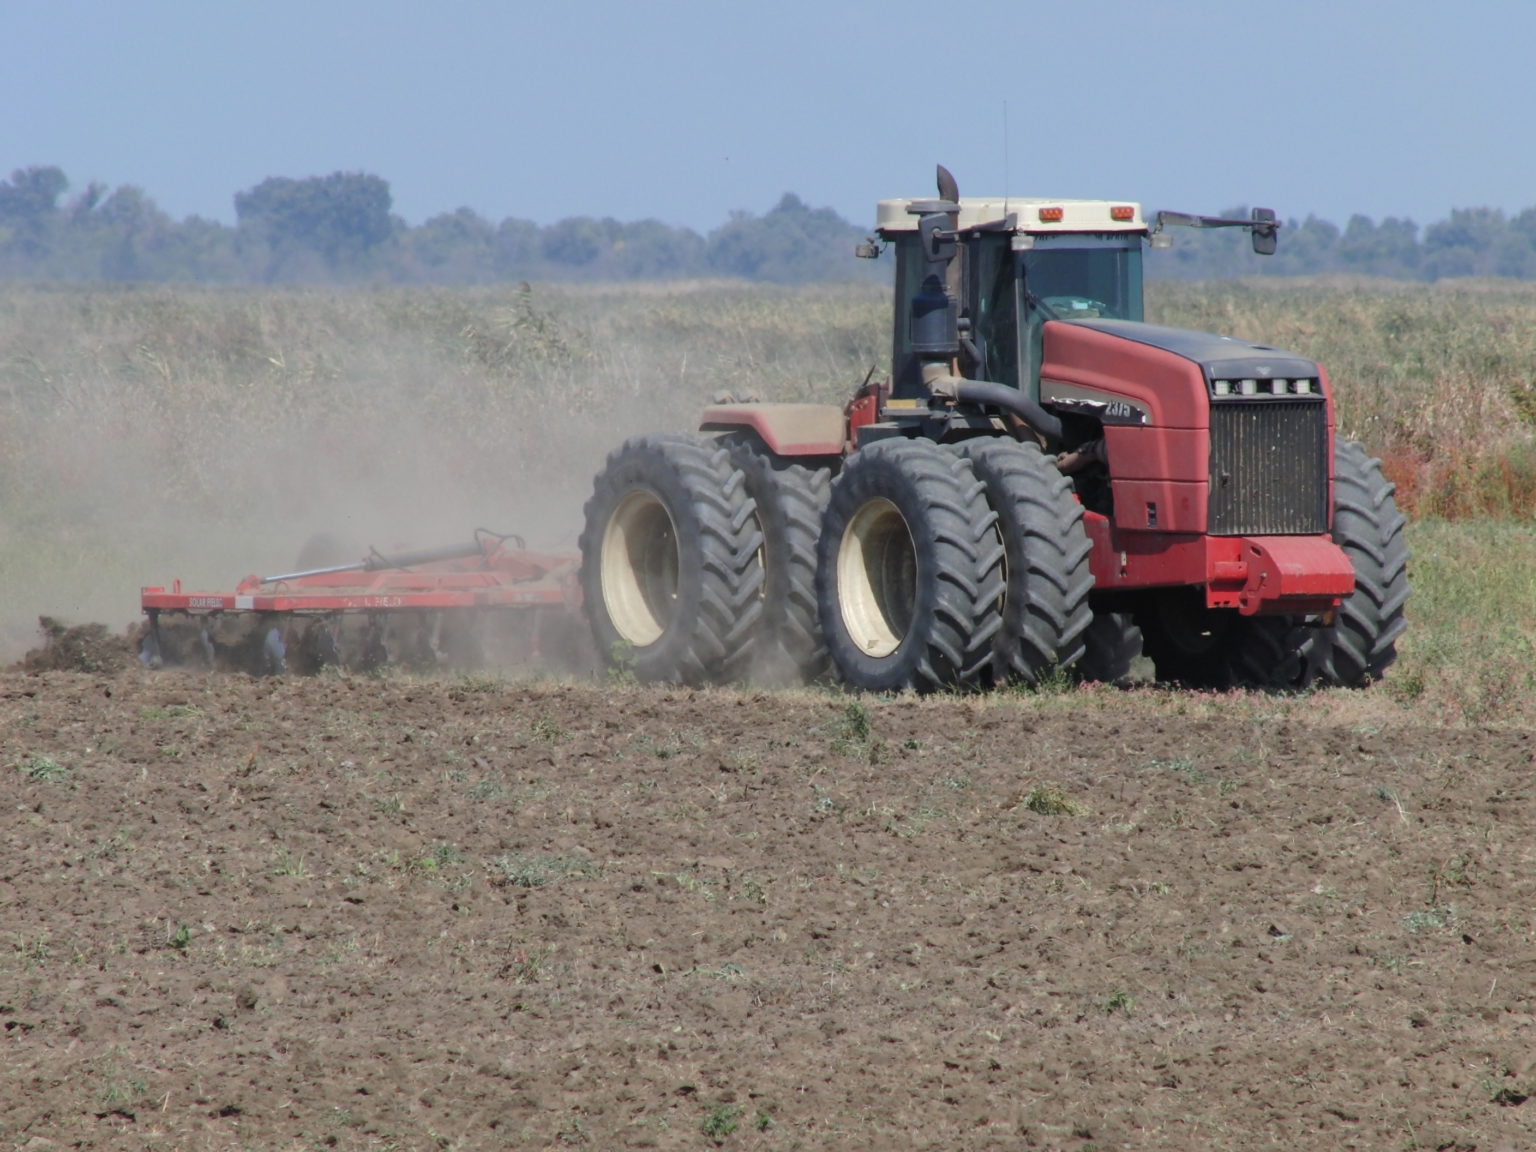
(1155, 409)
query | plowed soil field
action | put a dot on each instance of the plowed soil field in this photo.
(472, 913)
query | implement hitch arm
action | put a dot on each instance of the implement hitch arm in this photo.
(378, 562)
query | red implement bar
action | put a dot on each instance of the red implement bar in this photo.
(486, 575)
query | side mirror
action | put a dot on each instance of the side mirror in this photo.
(1266, 234)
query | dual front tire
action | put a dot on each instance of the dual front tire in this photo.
(953, 567)
(910, 571)
(1195, 646)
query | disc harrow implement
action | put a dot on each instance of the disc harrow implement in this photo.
(490, 603)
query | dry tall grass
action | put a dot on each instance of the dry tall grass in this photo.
(1439, 380)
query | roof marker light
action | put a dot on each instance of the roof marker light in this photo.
(1122, 212)
(1050, 215)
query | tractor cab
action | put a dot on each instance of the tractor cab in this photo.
(1021, 263)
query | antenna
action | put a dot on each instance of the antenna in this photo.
(1005, 157)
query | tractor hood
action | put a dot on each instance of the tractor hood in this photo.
(1219, 357)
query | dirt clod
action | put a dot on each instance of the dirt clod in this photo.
(80, 648)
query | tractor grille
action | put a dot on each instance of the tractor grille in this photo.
(1269, 468)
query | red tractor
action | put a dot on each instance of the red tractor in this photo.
(1045, 484)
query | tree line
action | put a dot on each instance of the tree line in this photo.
(341, 229)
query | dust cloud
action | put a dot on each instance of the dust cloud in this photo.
(205, 435)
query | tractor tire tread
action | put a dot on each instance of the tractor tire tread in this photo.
(1362, 643)
(956, 626)
(791, 498)
(720, 574)
(1111, 643)
(1046, 614)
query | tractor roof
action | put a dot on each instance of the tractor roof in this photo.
(1031, 214)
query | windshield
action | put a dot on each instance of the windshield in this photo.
(1082, 278)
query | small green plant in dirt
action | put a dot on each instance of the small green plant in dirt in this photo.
(853, 734)
(479, 682)
(1051, 800)
(1052, 681)
(391, 805)
(548, 729)
(621, 663)
(912, 824)
(439, 857)
(524, 966)
(34, 950)
(692, 880)
(538, 871)
(121, 1095)
(486, 788)
(1121, 1002)
(44, 769)
(287, 864)
(720, 1121)
(1429, 920)
(181, 938)
(671, 745)
(855, 726)
(1181, 766)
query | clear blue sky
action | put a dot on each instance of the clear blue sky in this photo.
(686, 111)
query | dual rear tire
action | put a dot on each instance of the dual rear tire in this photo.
(671, 571)
(921, 567)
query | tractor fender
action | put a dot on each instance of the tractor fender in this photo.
(786, 429)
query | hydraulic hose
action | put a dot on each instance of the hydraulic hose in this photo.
(1010, 400)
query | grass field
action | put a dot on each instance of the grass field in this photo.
(155, 433)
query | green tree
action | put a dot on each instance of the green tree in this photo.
(29, 212)
(1467, 243)
(579, 241)
(453, 248)
(518, 247)
(338, 221)
(651, 250)
(1390, 248)
(792, 243)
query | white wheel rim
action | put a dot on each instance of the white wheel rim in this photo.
(877, 578)
(640, 568)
